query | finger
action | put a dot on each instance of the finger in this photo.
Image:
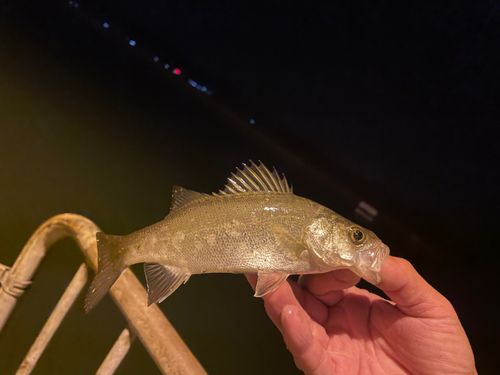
(329, 287)
(306, 341)
(290, 293)
(312, 305)
(252, 279)
(411, 293)
(276, 300)
(351, 314)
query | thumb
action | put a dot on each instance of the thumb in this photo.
(410, 292)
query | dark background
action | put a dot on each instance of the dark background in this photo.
(395, 105)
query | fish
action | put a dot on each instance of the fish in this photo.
(255, 225)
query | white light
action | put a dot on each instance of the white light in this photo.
(156, 59)
(271, 208)
(252, 121)
(191, 82)
(166, 66)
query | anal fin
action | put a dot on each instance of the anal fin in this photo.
(163, 281)
(269, 281)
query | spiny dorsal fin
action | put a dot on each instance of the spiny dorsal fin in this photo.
(181, 196)
(255, 178)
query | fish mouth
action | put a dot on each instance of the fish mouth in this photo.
(370, 262)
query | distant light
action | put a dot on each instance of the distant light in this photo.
(132, 42)
(200, 87)
(176, 71)
(105, 25)
(252, 121)
(166, 66)
(156, 59)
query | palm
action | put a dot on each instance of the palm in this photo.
(361, 337)
(333, 327)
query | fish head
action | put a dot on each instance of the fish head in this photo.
(335, 242)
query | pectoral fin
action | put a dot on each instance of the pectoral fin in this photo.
(163, 281)
(269, 282)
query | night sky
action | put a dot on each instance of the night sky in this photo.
(414, 87)
(395, 105)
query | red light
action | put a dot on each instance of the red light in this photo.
(176, 71)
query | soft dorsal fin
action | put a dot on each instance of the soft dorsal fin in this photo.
(181, 196)
(255, 178)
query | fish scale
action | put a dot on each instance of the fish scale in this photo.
(256, 225)
(212, 242)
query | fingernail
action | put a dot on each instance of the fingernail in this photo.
(251, 280)
(285, 313)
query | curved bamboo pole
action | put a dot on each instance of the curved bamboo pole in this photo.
(152, 327)
(117, 353)
(54, 321)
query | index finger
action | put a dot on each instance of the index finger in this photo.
(329, 287)
(289, 293)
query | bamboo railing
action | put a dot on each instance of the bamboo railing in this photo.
(163, 343)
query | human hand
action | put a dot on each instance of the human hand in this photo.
(332, 327)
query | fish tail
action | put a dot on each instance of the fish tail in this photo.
(110, 265)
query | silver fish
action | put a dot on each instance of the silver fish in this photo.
(256, 225)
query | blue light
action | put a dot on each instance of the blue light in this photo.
(156, 59)
(252, 121)
(200, 87)
(166, 66)
(191, 82)
(132, 42)
(105, 25)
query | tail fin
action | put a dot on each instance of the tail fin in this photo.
(109, 268)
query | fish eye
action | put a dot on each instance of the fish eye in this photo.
(356, 235)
